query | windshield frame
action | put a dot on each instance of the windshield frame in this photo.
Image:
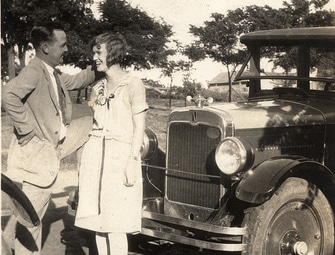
(304, 39)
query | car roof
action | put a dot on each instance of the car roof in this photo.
(309, 36)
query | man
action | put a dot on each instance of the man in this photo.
(39, 105)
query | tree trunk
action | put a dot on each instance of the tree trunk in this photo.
(170, 97)
(22, 56)
(11, 62)
(230, 90)
(230, 86)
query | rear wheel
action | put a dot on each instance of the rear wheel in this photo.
(296, 220)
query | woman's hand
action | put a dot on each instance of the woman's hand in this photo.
(131, 172)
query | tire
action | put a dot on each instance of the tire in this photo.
(298, 219)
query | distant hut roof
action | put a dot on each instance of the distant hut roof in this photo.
(221, 79)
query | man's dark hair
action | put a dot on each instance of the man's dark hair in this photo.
(43, 33)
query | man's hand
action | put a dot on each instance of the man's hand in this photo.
(24, 139)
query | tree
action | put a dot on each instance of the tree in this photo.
(252, 18)
(190, 88)
(169, 68)
(18, 18)
(307, 13)
(298, 13)
(147, 37)
(218, 40)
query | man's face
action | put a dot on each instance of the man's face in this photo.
(100, 57)
(57, 48)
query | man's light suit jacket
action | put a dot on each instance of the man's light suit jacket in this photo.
(31, 103)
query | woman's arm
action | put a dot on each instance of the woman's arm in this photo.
(138, 134)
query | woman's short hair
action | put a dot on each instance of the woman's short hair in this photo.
(43, 33)
(116, 46)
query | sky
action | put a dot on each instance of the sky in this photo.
(181, 13)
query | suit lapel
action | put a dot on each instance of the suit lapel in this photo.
(37, 62)
(49, 84)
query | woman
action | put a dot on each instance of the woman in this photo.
(110, 187)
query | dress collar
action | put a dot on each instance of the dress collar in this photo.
(124, 82)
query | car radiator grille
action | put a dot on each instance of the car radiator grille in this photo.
(193, 177)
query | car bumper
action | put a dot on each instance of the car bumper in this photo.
(188, 232)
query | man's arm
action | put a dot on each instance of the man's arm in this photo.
(13, 95)
(82, 79)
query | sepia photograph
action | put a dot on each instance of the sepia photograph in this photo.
(166, 127)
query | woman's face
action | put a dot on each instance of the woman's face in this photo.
(100, 57)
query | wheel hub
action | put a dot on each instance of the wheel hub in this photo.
(291, 244)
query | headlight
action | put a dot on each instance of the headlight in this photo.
(149, 145)
(233, 155)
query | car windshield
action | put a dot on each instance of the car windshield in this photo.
(302, 58)
(278, 68)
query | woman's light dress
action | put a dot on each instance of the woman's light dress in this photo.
(105, 203)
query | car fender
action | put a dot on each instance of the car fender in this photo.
(259, 183)
(21, 201)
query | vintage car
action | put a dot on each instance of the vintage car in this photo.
(253, 177)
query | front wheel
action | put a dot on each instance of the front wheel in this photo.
(298, 219)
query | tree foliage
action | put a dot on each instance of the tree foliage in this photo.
(218, 40)
(19, 17)
(146, 37)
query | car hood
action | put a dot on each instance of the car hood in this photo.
(275, 113)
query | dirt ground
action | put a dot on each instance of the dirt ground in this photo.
(59, 235)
